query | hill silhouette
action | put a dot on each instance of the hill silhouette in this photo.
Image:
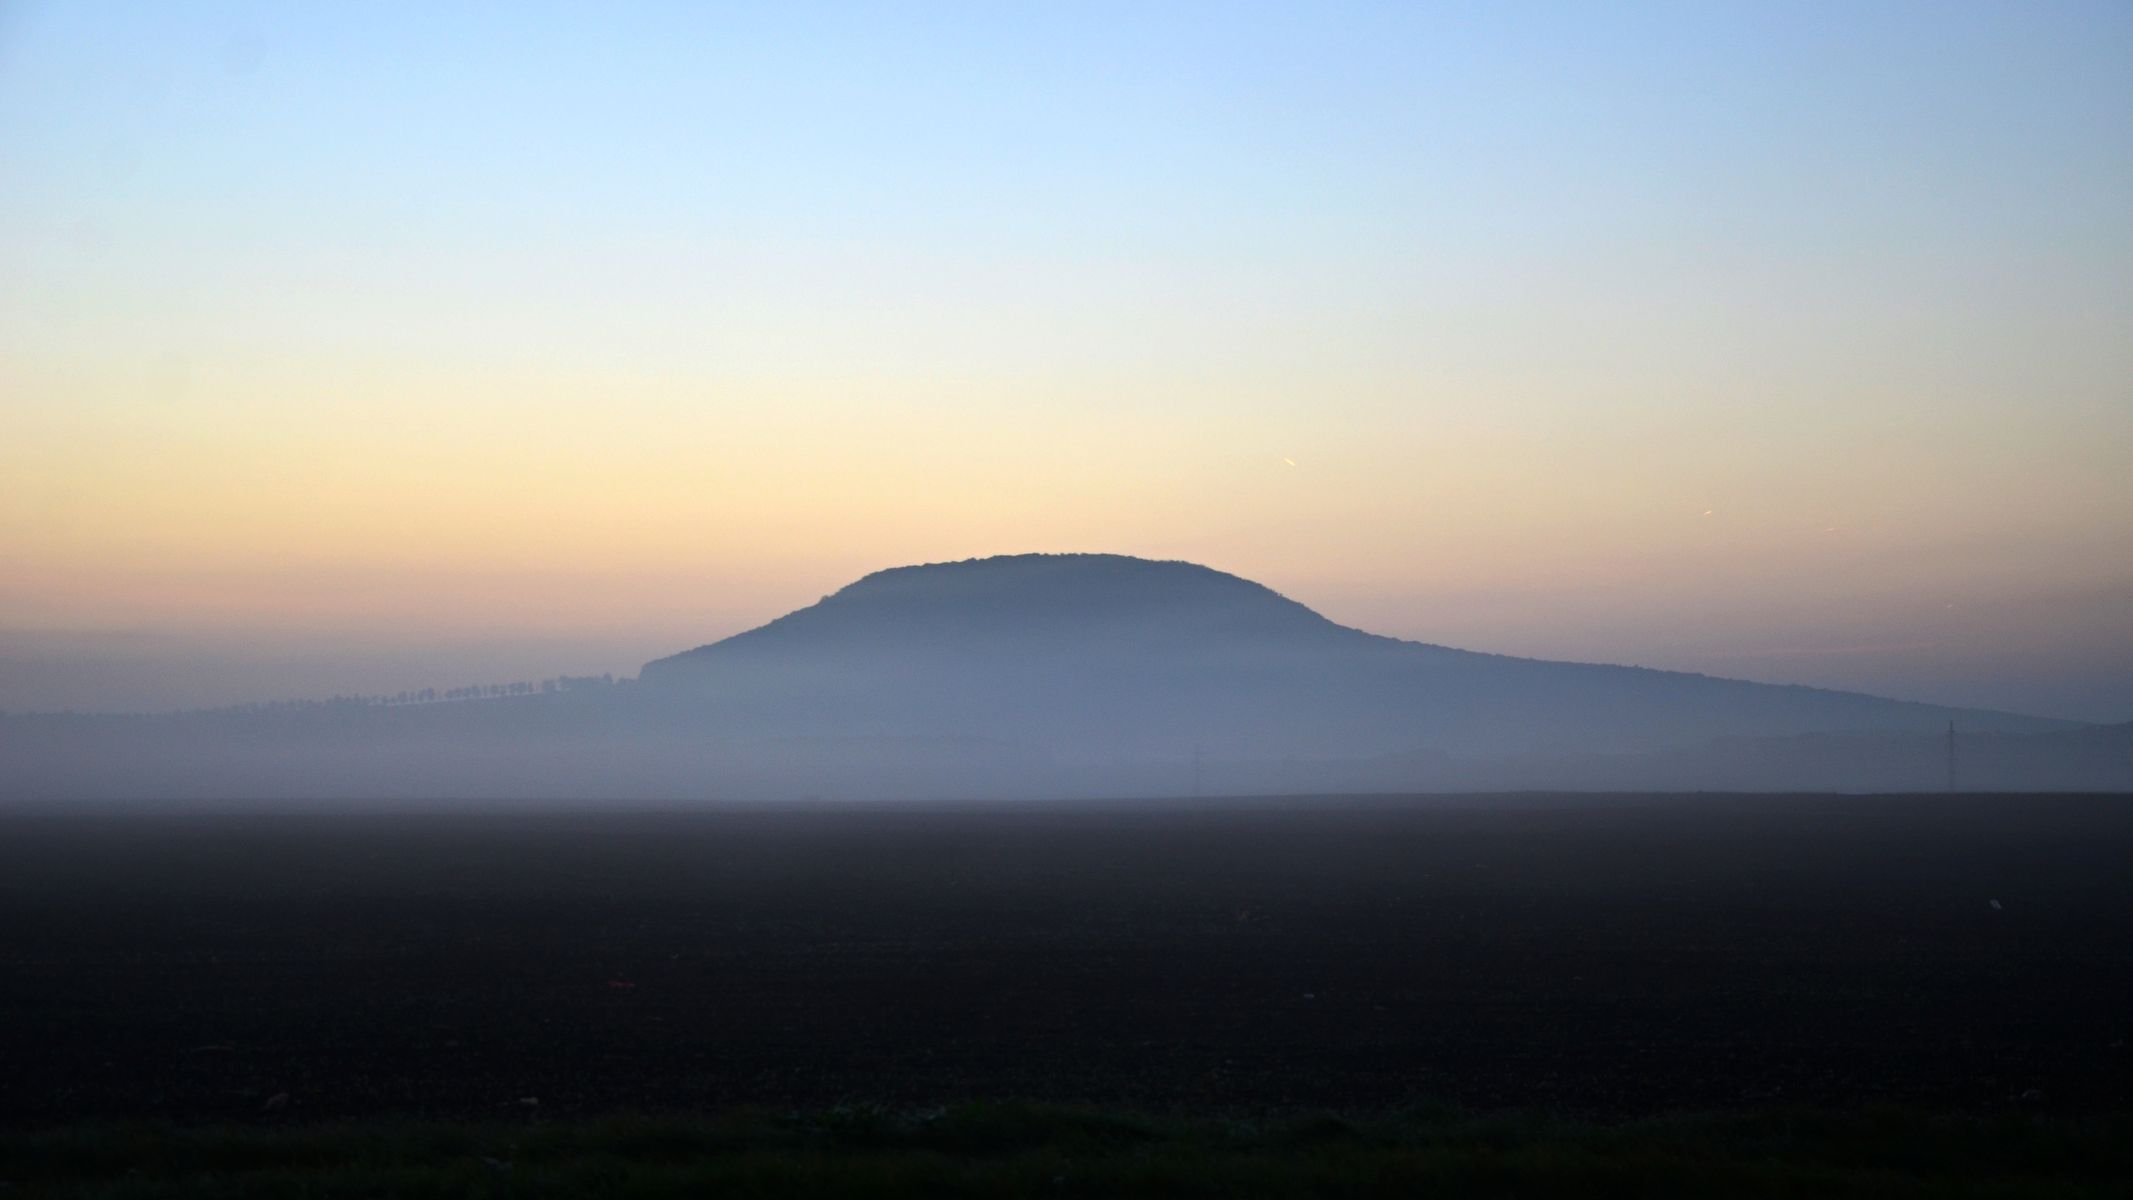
(1098, 654)
(1058, 676)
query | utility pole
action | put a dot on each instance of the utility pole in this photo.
(1196, 771)
(1951, 756)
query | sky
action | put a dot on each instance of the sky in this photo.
(352, 348)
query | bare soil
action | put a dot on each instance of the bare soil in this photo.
(1608, 956)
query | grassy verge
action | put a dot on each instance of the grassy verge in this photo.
(1015, 1150)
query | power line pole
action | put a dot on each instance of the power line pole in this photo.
(1951, 755)
(1196, 771)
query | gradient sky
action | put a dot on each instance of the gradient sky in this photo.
(363, 347)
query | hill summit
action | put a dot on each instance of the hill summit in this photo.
(1029, 605)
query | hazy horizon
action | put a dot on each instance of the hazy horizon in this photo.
(150, 671)
(416, 346)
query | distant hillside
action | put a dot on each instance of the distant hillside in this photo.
(1058, 676)
(1093, 655)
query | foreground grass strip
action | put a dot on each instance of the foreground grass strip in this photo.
(1007, 1150)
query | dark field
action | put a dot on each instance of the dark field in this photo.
(1601, 956)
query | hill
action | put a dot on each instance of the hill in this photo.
(1099, 655)
(1059, 676)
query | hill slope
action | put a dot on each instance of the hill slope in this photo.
(1103, 655)
(1058, 676)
